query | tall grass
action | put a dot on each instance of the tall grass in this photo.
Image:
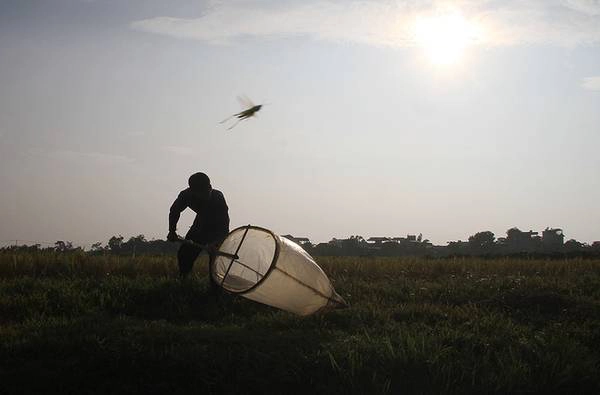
(78, 323)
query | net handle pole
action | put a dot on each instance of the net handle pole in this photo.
(236, 251)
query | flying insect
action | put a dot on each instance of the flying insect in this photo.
(250, 111)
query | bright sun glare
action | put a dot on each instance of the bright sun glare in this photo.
(444, 38)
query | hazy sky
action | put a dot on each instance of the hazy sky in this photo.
(386, 117)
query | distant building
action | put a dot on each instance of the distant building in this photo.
(408, 240)
(517, 240)
(459, 243)
(552, 239)
(379, 240)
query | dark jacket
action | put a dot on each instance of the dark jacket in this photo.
(212, 216)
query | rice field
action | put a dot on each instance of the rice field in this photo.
(74, 323)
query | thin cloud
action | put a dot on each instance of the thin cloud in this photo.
(355, 22)
(591, 83)
(590, 7)
(178, 150)
(92, 157)
(135, 133)
(387, 23)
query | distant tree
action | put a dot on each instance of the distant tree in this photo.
(139, 245)
(137, 239)
(457, 247)
(481, 241)
(24, 248)
(115, 243)
(97, 248)
(63, 246)
(513, 234)
(135, 245)
(573, 245)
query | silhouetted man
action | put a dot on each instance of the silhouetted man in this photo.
(211, 225)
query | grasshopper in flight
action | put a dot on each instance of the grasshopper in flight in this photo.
(250, 111)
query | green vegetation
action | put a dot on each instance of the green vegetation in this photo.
(75, 323)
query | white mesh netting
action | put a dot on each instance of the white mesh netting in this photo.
(273, 270)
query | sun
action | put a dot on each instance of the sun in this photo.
(444, 38)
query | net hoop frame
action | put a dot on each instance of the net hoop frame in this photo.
(271, 266)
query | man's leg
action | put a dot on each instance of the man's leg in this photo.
(186, 256)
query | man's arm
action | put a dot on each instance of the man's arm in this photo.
(177, 207)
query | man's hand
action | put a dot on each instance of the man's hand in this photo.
(172, 236)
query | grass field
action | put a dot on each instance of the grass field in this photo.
(81, 324)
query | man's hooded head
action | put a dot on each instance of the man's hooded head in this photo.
(200, 185)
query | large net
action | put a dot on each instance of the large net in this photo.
(273, 270)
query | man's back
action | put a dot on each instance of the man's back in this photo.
(212, 215)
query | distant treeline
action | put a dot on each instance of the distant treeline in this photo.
(117, 245)
(516, 243)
